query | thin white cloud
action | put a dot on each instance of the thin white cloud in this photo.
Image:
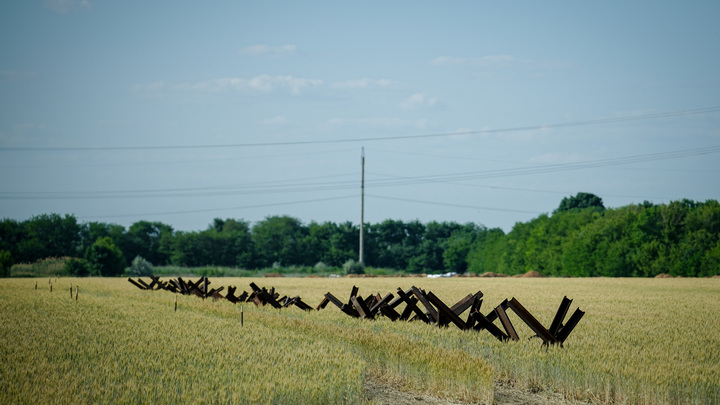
(279, 120)
(497, 62)
(418, 100)
(363, 83)
(377, 122)
(556, 158)
(262, 83)
(66, 6)
(268, 50)
(270, 84)
(149, 87)
(480, 62)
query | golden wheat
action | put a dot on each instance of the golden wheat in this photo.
(641, 341)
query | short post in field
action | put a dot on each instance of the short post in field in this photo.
(36, 285)
(77, 292)
(70, 291)
(50, 287)
(175, 303)
(241, 316)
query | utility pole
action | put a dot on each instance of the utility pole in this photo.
(362, 207)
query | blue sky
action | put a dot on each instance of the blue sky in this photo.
(180, 111)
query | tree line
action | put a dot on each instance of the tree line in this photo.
(580, 238)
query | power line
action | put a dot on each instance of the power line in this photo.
(220, 209)
(291, 186)
(530, 190)
(371, 139)
(155, 162)
(541, 169)
(474, 207)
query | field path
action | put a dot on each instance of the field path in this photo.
(505, 394)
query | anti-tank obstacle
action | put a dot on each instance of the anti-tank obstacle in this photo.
(260, 296)
(425, 306)
(413, 304)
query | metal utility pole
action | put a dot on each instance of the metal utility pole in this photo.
(362, 207)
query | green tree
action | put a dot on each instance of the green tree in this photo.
(104, 258)
(278, 239)
(456, 247)
(11, 233)
(6, 263)
(48, 235)
(192, 249)
(77, 268)
(330, 243)
(580, 200)
(144, 239)
(487, 251)
(92, 231)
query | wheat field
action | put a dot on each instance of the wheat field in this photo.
(641, 341)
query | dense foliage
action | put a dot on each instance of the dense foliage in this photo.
(580, 238)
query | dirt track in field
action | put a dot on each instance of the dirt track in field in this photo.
(505, 394)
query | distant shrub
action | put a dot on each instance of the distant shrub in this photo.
(353, 267)
(140, 267)
(77, 268)
(48, 267)
(104, 258)
(211, 271)
(5, 263)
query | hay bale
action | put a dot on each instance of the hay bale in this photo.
(492, 274)
(664, 275)
(273, 275)
(530, 274)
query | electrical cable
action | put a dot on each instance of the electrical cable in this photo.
(451, 205)
(220, 209)
(601, 121)
(291, 186)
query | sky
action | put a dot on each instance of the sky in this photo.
(469, 111)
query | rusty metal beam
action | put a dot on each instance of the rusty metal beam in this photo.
(483, 323)
(402, 297)
(383, 301)
(298, 302)
(361, 308)
(530, 321)
(477, 304)
(136, 284)
(446, 311)
(465, 303)
(323, 303)
(505, 321)
(343, 307)
(557, 322)
(570, 325)
(334, 300)
(389, 312)
(267, 298)
(423, 300)
(492, 316)
(411, 306)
